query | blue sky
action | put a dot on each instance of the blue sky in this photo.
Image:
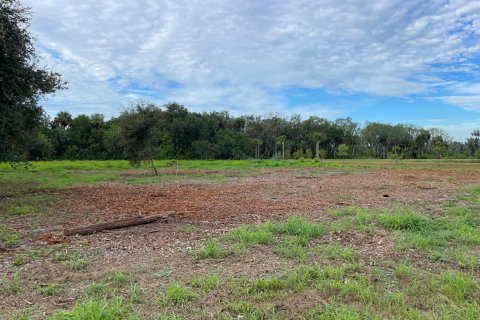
(392, 61)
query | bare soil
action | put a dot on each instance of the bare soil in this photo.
(208, 209)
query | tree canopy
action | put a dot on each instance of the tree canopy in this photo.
(146, 131)
(22, 82)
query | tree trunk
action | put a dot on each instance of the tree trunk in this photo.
(153, 166)
(317, 150)
(151, 160)
(117, 224)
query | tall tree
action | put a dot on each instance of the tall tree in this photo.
(342, 150)
(140, 133)
(318, 137)
(22, 82)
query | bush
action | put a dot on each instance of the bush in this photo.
(298, 154)
(308, 154)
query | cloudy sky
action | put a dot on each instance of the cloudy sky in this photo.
(404, 61)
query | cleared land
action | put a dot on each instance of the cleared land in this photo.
(250, 239)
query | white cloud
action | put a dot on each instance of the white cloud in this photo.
(466, 102)
(382, 47)
(458, 132)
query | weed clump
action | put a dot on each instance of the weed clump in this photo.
(405, 219)
(97, 309)
(176, 294)
(212, 250)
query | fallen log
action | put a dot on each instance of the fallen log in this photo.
(117, 224)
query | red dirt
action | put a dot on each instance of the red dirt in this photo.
(271, 194)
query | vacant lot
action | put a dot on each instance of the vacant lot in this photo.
(248, 240)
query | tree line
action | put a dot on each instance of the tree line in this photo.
(146, 131)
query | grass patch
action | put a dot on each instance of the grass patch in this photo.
(21, 211)
(444, 238)
(164, 273)
(299, 226)
(18, 261)
(50, 289)
(11, 284)
(212, 251)
(98, 309)
(114, 283)
(206, 283)
(293, 248)
(404, 270)
(333, 252)
(177, 294)
(79, 261)
(9, 236)
(249, 236)
(26, 204)
(405, 219)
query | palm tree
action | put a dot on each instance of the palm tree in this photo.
(318, 137)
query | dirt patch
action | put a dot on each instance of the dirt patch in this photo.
(209, 209)
(271, 194)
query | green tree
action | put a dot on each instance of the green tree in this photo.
(41, 148)
(342, 150)
(322, 154)
(140, 133)
(85, 138)
(111, 140)
(281, 141)
(319, 137)
(257, 143)
(63, 119)
(23, 82)
(439, 147)
(395, 153)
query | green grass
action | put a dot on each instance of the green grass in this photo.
(79, 262)
(451, 237)
(332, 312)
(92, 309)
(113, 283)
(294, 248)
(206, 283)
(11, 284)
(471, 195)
(25, 204)
(250, 236)
(405, 219)
(50, 289)
(9, 236)
(404, 270)
(299, 226)
(444, 238)
(60, 174)
(177, 294)
(265, 233)
(21, 210)
(18, 261)
(212, 251)
(334, 251)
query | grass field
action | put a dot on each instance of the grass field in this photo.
(255, 239)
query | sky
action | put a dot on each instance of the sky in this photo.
(404, 61)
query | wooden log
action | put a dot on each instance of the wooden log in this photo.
(117, 224)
